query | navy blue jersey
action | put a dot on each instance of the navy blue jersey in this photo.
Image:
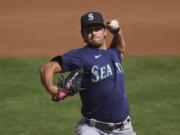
(104, 97)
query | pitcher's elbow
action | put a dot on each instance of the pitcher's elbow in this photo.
(41, 70)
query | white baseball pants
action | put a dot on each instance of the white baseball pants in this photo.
(84, 129)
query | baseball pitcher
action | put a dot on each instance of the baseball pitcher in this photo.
(97, 75)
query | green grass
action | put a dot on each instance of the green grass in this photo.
(152, 84)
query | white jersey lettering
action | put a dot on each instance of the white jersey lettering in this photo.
(119, 67)
(95, 73)
(99, 73)
(109, 71)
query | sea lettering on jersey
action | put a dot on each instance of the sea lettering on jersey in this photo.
(103, 72)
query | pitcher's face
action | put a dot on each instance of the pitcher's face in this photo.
(94, 35)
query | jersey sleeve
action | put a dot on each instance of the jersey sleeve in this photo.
(70, 60)
(117, 53)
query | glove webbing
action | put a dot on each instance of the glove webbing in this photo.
(75, 79)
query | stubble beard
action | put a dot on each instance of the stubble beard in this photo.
(97, 44)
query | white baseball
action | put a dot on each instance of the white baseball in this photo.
(114, 24)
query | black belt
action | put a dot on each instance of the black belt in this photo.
(105, 126)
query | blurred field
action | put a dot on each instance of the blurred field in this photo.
(49, 27)
(152, 84)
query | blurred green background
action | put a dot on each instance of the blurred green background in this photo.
(152, 84)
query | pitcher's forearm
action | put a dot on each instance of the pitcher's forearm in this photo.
(118, 42)
(47, 73)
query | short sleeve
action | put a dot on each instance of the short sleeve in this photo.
(116, 53)
(70, 60)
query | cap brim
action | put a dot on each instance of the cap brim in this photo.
(94, 23)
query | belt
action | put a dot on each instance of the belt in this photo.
(106, 126)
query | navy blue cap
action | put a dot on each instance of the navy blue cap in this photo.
(91, 18)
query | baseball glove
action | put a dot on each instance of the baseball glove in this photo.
(70, 85)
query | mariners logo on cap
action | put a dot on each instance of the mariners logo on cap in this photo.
(90, 17)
